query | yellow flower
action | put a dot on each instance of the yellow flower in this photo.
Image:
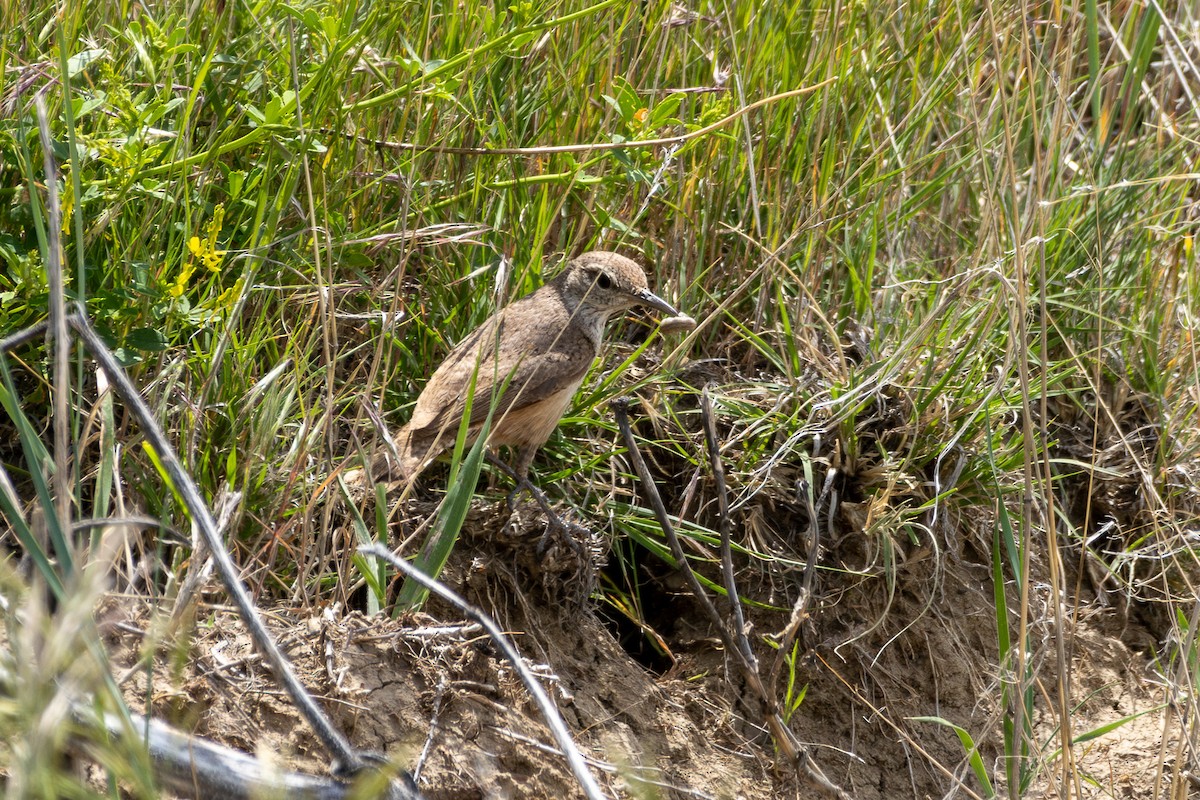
(203, 251)
(213, 258)
(177, 288)
(230, 295)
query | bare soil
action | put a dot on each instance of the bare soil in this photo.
(433, 693)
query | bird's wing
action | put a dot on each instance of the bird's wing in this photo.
(532, 373)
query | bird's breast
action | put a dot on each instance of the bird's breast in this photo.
(531, 425)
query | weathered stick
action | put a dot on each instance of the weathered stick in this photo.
(346, 759)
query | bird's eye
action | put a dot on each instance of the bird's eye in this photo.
(603, 281)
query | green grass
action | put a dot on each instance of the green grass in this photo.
(956, 273)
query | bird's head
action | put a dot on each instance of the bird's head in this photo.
(605, 283)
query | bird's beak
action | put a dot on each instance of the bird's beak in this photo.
(649, 298)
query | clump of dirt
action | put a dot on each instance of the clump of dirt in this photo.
(431, 692)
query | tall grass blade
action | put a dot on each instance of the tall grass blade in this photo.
(973, 756)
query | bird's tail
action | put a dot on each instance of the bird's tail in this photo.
(384, 468)
(401, 460)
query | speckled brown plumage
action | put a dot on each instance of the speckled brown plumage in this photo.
(542, 345)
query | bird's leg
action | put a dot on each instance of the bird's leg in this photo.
(520, 476)
(520, 482)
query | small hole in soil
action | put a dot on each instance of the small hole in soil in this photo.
(357, 601)
(660, 608)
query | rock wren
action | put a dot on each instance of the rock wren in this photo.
(534, 353)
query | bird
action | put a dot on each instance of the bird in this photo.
(532, 355)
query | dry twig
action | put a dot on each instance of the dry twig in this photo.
(736, 643)
(553, 719)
